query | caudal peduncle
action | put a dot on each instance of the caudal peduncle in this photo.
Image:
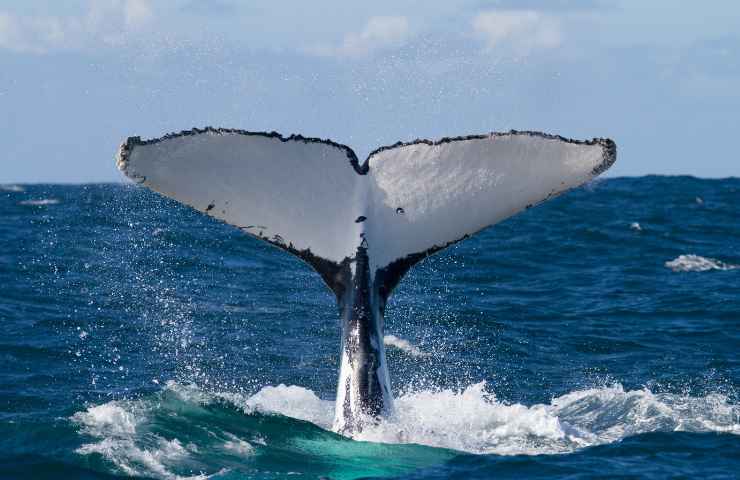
(363, 391)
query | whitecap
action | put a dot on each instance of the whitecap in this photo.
(12, 188)
(696, 263)
(635, 226)
(292, 401)
(114, 426)
(108, 419)
(475, 421)
(472, 420)
(405, 345)
(40, 202)
(133, 460)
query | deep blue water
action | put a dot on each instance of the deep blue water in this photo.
(143, 339)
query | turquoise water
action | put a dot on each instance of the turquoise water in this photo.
(595, 336)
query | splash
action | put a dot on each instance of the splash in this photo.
(182, 429)
(474, 421)
(404, 345)
(695, 263)
(123, 436)
(295, 402)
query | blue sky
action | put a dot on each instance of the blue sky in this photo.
(662, 78)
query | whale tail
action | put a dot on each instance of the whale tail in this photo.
(313, 198)
(361, 226)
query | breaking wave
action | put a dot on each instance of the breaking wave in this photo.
(695, 263)
(184, 429)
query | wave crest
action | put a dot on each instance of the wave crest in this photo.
(696, 263)
(137, 436)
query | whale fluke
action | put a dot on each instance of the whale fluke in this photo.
(361, 226)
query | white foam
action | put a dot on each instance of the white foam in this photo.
(695, 263)
(39, 202)
(471, 420)
(114, 425)
(238, 446)
(109, 419)
(292, 401)
(12, 188)
(635, 226)
(405, 345)
(127, 456)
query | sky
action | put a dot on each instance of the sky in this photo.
(661, 78)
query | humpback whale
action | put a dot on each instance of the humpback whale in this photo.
(361, 226)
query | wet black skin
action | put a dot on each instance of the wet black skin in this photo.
(361, 309)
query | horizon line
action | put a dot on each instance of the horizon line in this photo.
(598, 179)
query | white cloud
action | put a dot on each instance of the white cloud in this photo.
(137, 13)
(106, 21)
(520, 30)
(30, 34)
(378, 33)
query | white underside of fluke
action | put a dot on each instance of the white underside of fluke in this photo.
(306, 194)
(455, 189)
(361, 226)
(294, 192)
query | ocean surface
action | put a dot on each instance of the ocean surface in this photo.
(595, 336)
